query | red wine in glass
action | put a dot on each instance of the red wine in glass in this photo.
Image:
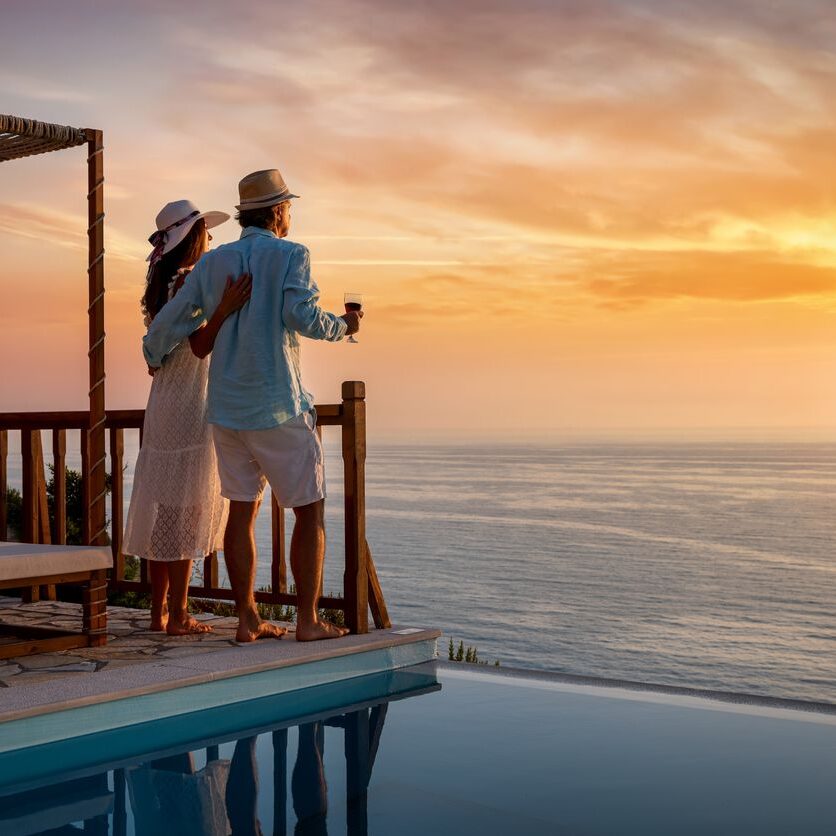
(353, 302)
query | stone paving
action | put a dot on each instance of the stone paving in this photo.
(130, 642)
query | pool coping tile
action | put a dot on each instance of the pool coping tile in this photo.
(79, 689)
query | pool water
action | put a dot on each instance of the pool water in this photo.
(447, 750)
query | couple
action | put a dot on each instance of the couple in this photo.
(220, 431)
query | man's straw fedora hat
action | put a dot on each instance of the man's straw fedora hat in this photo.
(261, 189)
(174, 222)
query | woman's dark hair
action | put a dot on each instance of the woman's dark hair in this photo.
(263, 218)
(186, 253)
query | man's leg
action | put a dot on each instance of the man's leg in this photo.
(307, 553)
(240, 554)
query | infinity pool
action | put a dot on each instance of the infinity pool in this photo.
(428, 750)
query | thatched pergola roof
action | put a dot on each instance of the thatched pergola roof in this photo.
(25, 137)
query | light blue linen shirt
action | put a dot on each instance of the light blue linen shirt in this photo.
(255, 379)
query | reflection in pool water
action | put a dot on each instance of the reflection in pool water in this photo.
(171, 795)
(213, 785)
(489, 755)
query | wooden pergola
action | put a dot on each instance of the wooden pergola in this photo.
(24, 138)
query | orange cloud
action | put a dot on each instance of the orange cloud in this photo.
(592, 180)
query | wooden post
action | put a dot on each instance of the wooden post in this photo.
(117, 457)
(4, 487)
(278, 568)
(43, 534)
(40, 479)
(29, 525)
(210, 571)
(94, 609)
(29, 456)
(95, 272)
(355, 579)
(59, 464)
(86, 526)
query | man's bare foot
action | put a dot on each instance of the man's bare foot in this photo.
(159, 620)
(249, 632)
(189, 627)
(320, 629)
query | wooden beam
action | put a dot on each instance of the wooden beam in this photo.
(380, 613)
(210, 571)
(223, 594)
(4, 483)
(59, 464)
(96, 523)
(29, 456)
(43, 533)
(117, 495)
(355, 578)
(86, 525)
(278, 568)
(26, 647)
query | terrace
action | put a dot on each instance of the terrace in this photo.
(118, 654)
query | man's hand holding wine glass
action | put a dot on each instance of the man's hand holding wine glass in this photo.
(353, 314)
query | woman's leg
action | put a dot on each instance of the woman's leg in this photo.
(158, 572)
(180, 622)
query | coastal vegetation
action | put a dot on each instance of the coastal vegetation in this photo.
(75, 506)
(469, 655)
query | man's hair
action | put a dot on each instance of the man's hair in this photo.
(264, 217)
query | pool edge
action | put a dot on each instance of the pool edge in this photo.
(168, 688)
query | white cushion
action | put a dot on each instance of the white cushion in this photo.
(19, 561)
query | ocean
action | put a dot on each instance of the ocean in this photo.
(708, 565)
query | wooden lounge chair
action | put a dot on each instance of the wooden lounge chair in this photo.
(30, 564)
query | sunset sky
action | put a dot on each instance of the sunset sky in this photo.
(567, 217)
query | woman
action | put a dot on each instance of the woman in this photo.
(177, 513)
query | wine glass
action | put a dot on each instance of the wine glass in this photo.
(353, 302)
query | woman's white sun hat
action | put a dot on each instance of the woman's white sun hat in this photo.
(262, 189)
(174, 223)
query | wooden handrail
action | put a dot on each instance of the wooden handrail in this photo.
(361, 588)
(328, 415)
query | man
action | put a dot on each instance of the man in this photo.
(264, 426)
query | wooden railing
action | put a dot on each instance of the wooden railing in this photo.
(361, 588)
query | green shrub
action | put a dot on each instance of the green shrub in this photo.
(75, 506)
(469, 655)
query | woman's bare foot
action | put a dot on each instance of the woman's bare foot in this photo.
(159, 620)
(249, 631)
(320, 629)
(188, 627)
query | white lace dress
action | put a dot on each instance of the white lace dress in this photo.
(176, 511)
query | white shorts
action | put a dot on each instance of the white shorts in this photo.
(288, 457)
